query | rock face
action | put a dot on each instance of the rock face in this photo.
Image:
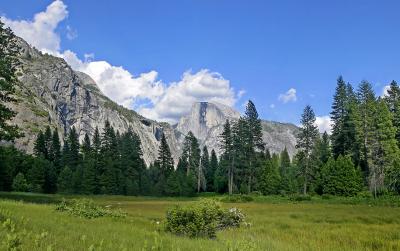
(206, 121)
(51, 93)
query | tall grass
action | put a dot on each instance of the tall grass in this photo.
(281, 225)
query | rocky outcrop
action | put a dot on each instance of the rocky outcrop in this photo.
(51, 93)
(206, 121)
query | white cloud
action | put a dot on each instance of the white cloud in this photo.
(385, 90)
(71, 33)
(289, 96)
(41, 31)
(324, 124)
(272, 106)
(145, 92)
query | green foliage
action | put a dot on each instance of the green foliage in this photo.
(340, 177)
(19, 183)
(86, 208)
(202, 219)
(8, 67)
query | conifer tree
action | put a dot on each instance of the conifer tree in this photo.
(65, 184)
(55, 151)
(204, 171)
(74, 147)
(8, 80)
(255, 142)
(392, 100)
(164, 165)
(40, 149)
(305, 145)
(338, 117)
(228, 158)
(367, 103)
(109, 164)
(212, 171)
(340, 177)
(384, 152)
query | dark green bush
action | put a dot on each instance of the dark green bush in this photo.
(86, 208)
(202, 219)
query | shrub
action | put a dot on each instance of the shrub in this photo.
(203, 219)
(86, 208)
(231, 218)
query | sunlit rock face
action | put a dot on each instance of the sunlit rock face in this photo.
(206, 121)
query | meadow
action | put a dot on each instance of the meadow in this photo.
(277, 223)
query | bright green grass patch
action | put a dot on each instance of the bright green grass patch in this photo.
(276, 224)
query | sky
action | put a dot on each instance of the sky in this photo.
(158, 57)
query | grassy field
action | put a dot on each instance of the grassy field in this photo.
(276, 224)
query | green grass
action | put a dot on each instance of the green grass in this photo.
(277, 224)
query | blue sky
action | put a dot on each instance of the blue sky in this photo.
(264, 48)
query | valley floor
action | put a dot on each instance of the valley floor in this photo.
(275, 225)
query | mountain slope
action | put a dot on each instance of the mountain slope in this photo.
(51, 93)
(206, 121)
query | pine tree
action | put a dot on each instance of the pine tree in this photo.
(305, 145)
(40, 149)
(338, 117)
(212, 172)
(109, 163)
(55, 151)
(8, 80)
(164, 164)
(367, 103)
(228, 159)
(384, 152)
(65, 184)
(205, 173)
(392, 100)
(271, 179)
(255, 141)
(74, 147)
(340, 177)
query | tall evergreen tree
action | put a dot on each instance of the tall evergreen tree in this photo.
(255, 142)
(392, 100)
(338, 117)
(8, 80)
(211, 173)
(55, 151)
(305, 145)
(164, 165)
(40, 149)
(366, 100)
(228, 158)
(204, 171)
(384, 152)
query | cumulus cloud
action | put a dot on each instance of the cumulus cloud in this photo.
(40, 32)
(144, 92)
(289, 96)
(324, 124)
(177, 98)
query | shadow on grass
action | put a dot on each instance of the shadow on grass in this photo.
(31, 197)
